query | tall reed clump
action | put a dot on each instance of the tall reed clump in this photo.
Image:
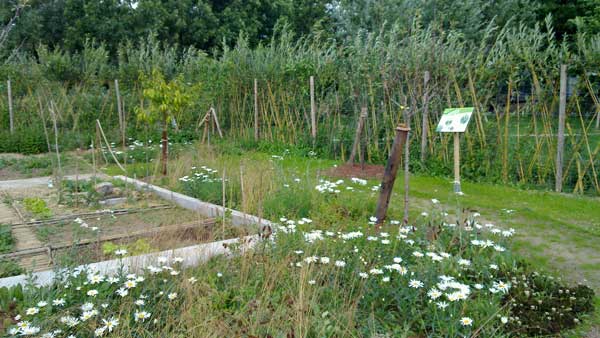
(510, 77)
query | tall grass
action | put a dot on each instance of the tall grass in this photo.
(511, 77)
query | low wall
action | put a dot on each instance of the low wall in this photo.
(192, 255)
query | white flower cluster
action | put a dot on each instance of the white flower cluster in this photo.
(204, 174)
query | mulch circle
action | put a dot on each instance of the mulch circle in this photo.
(366, 171)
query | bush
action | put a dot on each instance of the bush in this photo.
(6, 239)
(37, 207)
(542, 305)
(9, 268)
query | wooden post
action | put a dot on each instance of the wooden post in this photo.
(255, 109)
(10, 108)
(560, 145)
(224, 212)
(44, 125)
(214, 114)
(110, 149)
(406, 176)
(357, 135)
(94, 159)
(425, 126)
(121, 114)
(59, 172)
(389, 176)
(457, 188)
(313, 109)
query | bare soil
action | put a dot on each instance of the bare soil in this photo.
(366, 171)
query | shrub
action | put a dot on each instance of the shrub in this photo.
(542, 305)
(37, 207)
(10, 268)
(6, 239)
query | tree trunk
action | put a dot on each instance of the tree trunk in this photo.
(165, 152)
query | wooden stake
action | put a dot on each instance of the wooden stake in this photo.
(313, 109)
(120, 111)
(561, 127)
(44, 125)
(109, 148)
(94, 159)
(255, 109)
(223, 181)
(406, 176)
(242, 187)
(59, 172)
(457, 188)
(214, 114)
(389, 176)
(10, 108)
(425, 125)
(357, 135)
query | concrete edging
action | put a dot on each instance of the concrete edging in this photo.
(192, 255)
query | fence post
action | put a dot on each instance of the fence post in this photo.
(121, 113)
(10, 108)
(561, 127)
(389, 176)
(425, 126)
(359, 128)
(313, 109)
(406, 176)
(457, 188)
(255, 109)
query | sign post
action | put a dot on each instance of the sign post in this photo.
(455, 120)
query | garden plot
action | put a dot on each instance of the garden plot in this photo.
(87, 222)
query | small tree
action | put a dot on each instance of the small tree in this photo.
(167, 101)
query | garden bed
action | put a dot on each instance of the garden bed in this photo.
(75, 225)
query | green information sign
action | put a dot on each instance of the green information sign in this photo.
(454, 120)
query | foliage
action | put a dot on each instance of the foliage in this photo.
(139, 247)
(9, 268)
(542, 305)
(167, 102)
(6, 239)
(205, 184)
(37, 207)
(342, 279)
(496, 66)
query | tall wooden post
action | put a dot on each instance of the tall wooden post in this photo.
(457, 188)
(406, 177)
(121, 113)
(425, 125)
(10, 107)
(560, 144)
(357, 136)
(389, 176)
(255, 109)
(313, 109)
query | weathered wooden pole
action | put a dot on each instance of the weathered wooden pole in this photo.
(425, 125)
(120, 111)
(406, 176)
(357, 135)
(313, 109)
(457, 188)
(560, 144)
(255, 109)
(389, 176)
(10, 108)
